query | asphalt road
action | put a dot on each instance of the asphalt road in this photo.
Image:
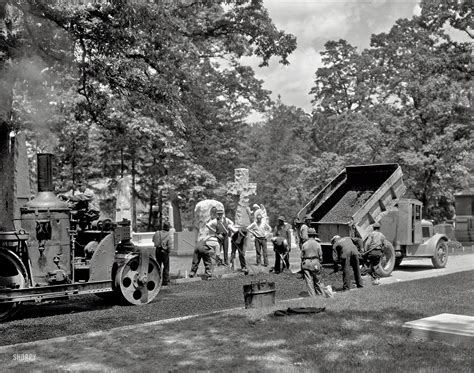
(90, 313)
(416, 268)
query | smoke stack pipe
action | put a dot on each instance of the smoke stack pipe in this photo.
(45, 172)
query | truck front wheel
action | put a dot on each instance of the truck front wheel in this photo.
(387, 261)
(440, 257)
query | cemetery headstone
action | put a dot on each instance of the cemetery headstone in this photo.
(244, 189)
(123, 205)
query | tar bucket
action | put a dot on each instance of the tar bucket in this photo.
(259, 294)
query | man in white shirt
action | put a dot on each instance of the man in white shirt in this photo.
(222, 228)
(261, 231)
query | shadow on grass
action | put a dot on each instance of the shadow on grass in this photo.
(343, 340)
(359, 331)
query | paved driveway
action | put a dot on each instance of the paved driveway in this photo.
(416, 268)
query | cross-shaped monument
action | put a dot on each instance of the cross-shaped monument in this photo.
(244, 189)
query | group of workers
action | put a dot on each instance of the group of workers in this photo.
(221, 229)
(222, 232)
(346, 253)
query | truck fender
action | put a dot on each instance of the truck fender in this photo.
(432, 242)
(438, 246)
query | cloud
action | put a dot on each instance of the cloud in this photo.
(314, 22)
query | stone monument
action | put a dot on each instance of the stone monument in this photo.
(203, 212)
(123, 207)
(244, 189)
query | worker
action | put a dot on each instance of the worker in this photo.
(304, 230)
(163, 243)
(84, 208)
(222, 228)
(238, 242)
(255, 210)
(373, 250)
(261, 231)
(346, 254)
(281, 245)
(205, 250)
(311, 258)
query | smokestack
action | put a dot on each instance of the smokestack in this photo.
(45, 172)
(45, 199)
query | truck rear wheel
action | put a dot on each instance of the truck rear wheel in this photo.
(387, 261)
(440, 257)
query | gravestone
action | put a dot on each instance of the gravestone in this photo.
(449, 328)
(123, 206)
(203, 212)
(174, 212)
(244, 189)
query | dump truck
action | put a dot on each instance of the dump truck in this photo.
(362, 195)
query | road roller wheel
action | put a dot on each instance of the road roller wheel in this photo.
(133, 290)
(12, 276)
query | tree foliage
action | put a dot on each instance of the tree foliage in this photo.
(406, 99)
(159, 85)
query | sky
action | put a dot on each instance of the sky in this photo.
(314, 22)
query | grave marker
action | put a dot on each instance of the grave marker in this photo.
(446, 327)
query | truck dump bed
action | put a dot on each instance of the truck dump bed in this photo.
(354, 199)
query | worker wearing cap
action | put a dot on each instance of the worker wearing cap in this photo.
(311, 258)
(374, 246)
(281, 244)
(346, 254)
(205, 250)
(222, 228)
(261, 231)
(304, 230)
(238, 242)
(162, 242)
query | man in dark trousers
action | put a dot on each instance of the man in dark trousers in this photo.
(374, 246)
(346, 254)
(281, 245)
(205, 250)
(311, 258)
(238, 242)
(162, 242)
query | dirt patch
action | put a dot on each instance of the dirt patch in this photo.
(347, 206)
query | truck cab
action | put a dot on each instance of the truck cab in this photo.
(413, 236)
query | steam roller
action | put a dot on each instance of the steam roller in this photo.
(59, 252)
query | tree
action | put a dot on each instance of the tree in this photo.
(404, 99)
(142, 70)
(276, 150)
(458, 14)
(428, 76)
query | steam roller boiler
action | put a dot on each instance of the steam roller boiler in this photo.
(57, 252)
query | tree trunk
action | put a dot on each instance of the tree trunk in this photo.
(134, 201)
(7, 186)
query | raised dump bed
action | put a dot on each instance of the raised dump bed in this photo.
(353, 200)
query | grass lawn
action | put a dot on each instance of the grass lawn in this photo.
(360, 330)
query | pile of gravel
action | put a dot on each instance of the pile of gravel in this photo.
(347, 206)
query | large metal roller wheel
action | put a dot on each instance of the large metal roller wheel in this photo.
(12, 276)
(133, 290)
